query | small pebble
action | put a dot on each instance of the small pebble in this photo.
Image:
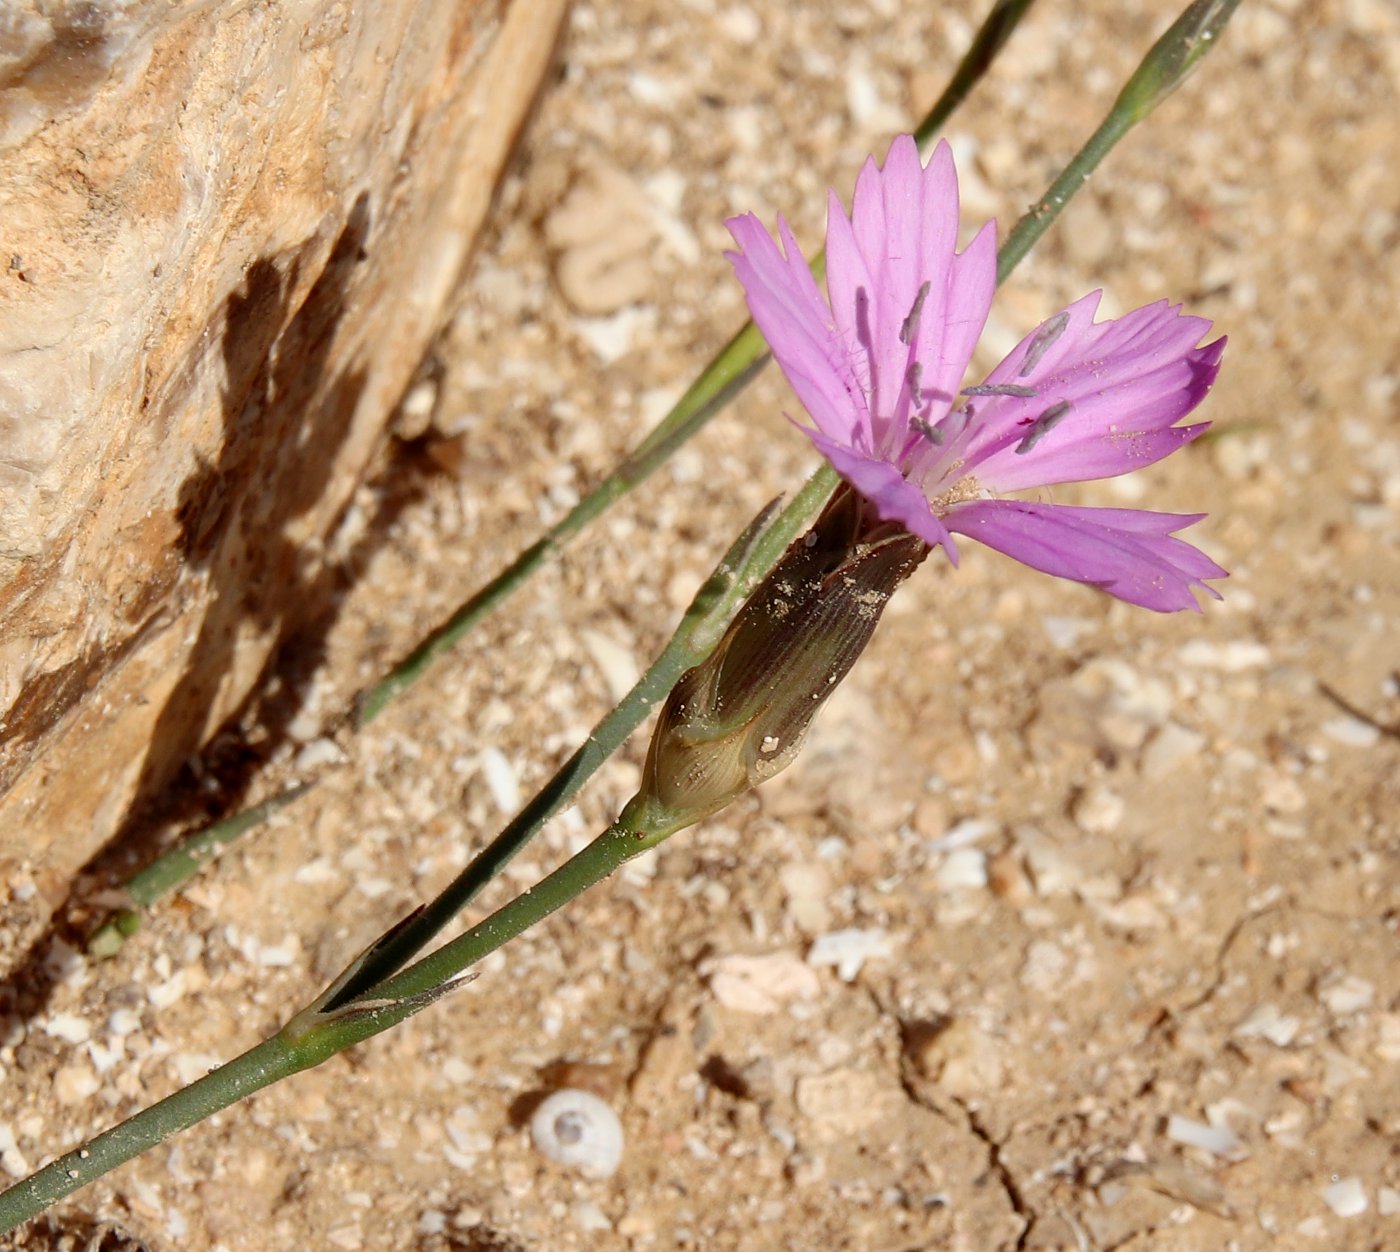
(1266, 1022)
(74, 1083)
(501, 779)
(1346, 1197)
(69, 1027)
(318, 753)
(1217, 1140)
(1351, 732)
(760, 984)
(1347, 995)
(1233, 657)
(965, 867)
(577, 1129)
(1098, 810)
(1169, 748)
(848, 950)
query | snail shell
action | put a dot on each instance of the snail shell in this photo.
(577, 1129)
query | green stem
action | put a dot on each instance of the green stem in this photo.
(995, 30)
(737, 363)
(751, 556)
(179, 865)
(315, 1035)
(322, 1030)
(1165, 67)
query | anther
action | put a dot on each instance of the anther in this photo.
(1044, 339)
(913, 379)
(927, 430)
(1043, 425)
(910, 328)
(1001, 389)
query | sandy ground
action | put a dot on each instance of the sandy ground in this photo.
(1074, 927)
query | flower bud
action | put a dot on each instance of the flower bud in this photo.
(740, 716)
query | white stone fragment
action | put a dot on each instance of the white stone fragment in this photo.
(848, 950)
(1232, 657)
(280, 955)
(611, 338)
(965, 867)
(1065, 633)
(589, 1217)
(807, 885)
(121, 1022)
(760, 984)
(1098, 810)
(317, 870)
(648, 89)
(317, 754)
(741, 24)
(162, 995)
(1388, 1037)
(104, 1058)
(74, 1083)
(577, 1129)
(1346, 1197)
(1052, 871)
(305, 726)
(501, 779)
(964, 834)
(1132, 913)
(867, 107)
(1348, 994)
(1351, 732)
(1172, 746)
(192, 1066)
(69, 1027)
(15, 1163)
(1266, 1022)
(1217, 1140)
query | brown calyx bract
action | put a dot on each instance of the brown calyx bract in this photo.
(740, 716)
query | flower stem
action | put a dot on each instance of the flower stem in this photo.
(995, 30)
(318, 1033)
(743, 566)
(1165, 67)
(178, 866)
(334, 1023)
(736, 364)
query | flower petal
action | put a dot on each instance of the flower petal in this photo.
(1129, 553)
(900, 238)
(787, 306)
(1126, 383)
(894, 497)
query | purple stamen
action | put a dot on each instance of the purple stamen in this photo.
(910, 327)
(1001, 389)
(927, 430)
(1044, 339)
(1043, 425)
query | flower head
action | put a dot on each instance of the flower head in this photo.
(880, 365)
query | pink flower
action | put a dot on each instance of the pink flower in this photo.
(880, 367)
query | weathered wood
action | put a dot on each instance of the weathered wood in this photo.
(228, 232)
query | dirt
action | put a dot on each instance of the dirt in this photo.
(1073, 927)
